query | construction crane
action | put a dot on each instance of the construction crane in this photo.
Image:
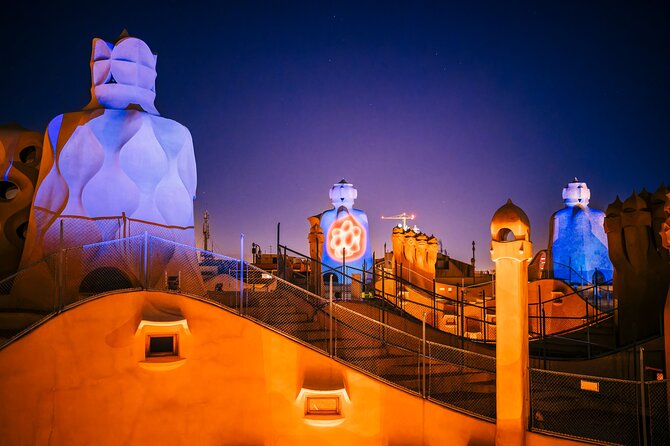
(404, 217)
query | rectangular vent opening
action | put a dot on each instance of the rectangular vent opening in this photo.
(322, 405)
(162, 345)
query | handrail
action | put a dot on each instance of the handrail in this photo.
(575, 272)
(355, 324)
(482, 310)
(423, 380)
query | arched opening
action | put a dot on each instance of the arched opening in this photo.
(505, 235)
(28, 155)
(327, 276)
(104, 279)
(598, 278)
(8, 190)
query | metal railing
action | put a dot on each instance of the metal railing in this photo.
(573, 276)
(577, 406)
(659, 421)
(73, 275)
(582, 407)
(467, 311)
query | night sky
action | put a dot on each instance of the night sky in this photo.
(437, 109)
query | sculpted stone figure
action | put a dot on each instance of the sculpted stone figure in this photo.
(641, 263)
(112, 170)
(417, 253)
(345, 231)
(578, 244)
(20, 154)
(116, 157)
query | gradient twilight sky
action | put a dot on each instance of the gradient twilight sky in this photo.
(437, 109)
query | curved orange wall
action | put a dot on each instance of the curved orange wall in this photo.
(77, 380)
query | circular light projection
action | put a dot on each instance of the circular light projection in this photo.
(8, 190)
(346, 236)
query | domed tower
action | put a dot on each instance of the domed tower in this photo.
(116, 168)
(511, 249)
(577, 239)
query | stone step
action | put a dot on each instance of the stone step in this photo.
(280, 309)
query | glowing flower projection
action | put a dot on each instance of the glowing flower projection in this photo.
(346, 238)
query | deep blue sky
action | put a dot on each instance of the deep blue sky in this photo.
(439, 109)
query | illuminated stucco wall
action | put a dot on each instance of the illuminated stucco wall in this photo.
(578, 240)
(345, 232)
(82, 378)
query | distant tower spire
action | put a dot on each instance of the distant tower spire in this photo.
(472, 260)
(205, 230)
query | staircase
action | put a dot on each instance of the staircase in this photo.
(14, 321)
(417, 363)
(449, 377)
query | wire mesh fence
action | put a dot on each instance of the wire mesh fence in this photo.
(465, 311)
(585, 407)
(381, 350)
(659, 422)
(33, 289)
(461, 379)
(286, 307)
(101, 267)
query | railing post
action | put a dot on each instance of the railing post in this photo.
(588, 330)
(61, 264)
(344, 266)
(398, 283)
(123, 217)
(462, 318)
(145, 266)
(384, 298)
(241, 271)
(374, 276)
(643, 406)
(331, 341)
(486, 339)
(278, 249)
(363, 278)
(596, 294)
(423, 356)
(544, 338)
(538, 314)
(435, 324)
